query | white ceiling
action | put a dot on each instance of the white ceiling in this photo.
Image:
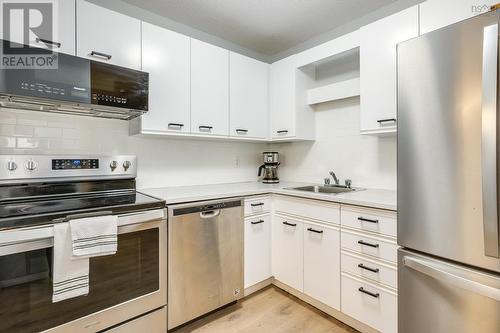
(265, 26)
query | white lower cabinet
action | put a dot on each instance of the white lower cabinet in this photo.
(370, 304)
(288, 251)
(322, 264)
(257, 249)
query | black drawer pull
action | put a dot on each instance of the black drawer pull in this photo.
(101, 55)
(314, 230)
(46, 41)
(208, 128)
(363, 219)
(367, 244)
(257, 222)
(374, 270)
(282, 131)
(376, 295)
(176, 125)
(390, 120)
(241, 130)
(257, 204)
(290, 224)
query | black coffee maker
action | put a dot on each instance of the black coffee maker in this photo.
(269, 170)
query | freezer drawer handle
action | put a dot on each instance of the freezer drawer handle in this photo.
(290, 224)
(376, 295)
(374, 270)
(367, 244)
(257, 204)
(257, 222)
(364, 219)
(314, 230)
(441, 274)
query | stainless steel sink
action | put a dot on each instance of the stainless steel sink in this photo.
(323, 189)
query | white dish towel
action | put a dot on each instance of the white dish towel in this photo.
(94, 236)
(71, 275)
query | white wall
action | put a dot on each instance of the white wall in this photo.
(370, 161)
(162, 162)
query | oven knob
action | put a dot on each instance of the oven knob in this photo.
(11, 165)
(126, 165)
(113, 165)
(31, 165)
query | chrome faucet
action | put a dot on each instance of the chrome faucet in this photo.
(335, 179)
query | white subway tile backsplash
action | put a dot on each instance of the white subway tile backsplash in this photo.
(32, 143)
(7, 142)
(16, 130)
(31, 122)
(6, 118)
(69, 133)
(48, 132)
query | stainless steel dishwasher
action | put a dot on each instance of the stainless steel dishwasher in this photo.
(205, 258)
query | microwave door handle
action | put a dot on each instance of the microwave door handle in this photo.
(443, 274)
(489, 140)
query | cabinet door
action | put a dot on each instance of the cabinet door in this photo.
(435, 14)
(288, 251)
(378, 68)
(165, 56)
(209, 89)
(61, 39)
(282, 98)
(248, 97)
(257, 250)
(322, 264)
(108, 36)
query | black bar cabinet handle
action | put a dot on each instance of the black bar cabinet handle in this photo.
(257, 204)
(364, 219)
(290, 224)
(314, 230)
(101, 55)
(282, 131)
(205, 127)
(46, 41)
(374, 270)
(376, 295)
(241, 130)
(175, 125)
(367, 244)
(257, 222)
(392, 120)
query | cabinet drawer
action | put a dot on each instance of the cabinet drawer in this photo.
(258, 205)
(374, 306)
(372, 220)
(308, 209)
(370, 269)
(369, 245)
(154, 322)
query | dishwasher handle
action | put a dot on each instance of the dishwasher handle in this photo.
(210, 214)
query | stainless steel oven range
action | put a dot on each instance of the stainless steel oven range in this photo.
(127, 288)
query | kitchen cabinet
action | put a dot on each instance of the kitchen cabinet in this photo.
(257, 249)
(166, 57)
(61, 40)
(288, 122)
(378, 85)
(435, 14)
(322, 264)
(248, 96)
(209, 89)
(107, 36)
(288, 251)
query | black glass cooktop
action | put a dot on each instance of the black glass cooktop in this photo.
(36, 205)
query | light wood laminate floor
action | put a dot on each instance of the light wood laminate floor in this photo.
(268, 311)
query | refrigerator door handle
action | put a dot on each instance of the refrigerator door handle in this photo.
(439, 272)
(489, 141)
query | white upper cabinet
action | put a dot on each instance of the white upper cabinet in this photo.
(209, 89)
(248, 97)
(108, 36)
(435, 14)
(62, 38)
(165, 56)
(378, 69)
(282, 98)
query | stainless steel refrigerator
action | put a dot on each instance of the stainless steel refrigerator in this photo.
(448, 177)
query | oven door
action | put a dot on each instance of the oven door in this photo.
(122, 286)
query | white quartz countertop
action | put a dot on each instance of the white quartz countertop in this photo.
(376, 198)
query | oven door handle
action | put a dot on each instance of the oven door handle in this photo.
(82, 215)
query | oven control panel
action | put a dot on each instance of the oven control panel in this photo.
(65, 164)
